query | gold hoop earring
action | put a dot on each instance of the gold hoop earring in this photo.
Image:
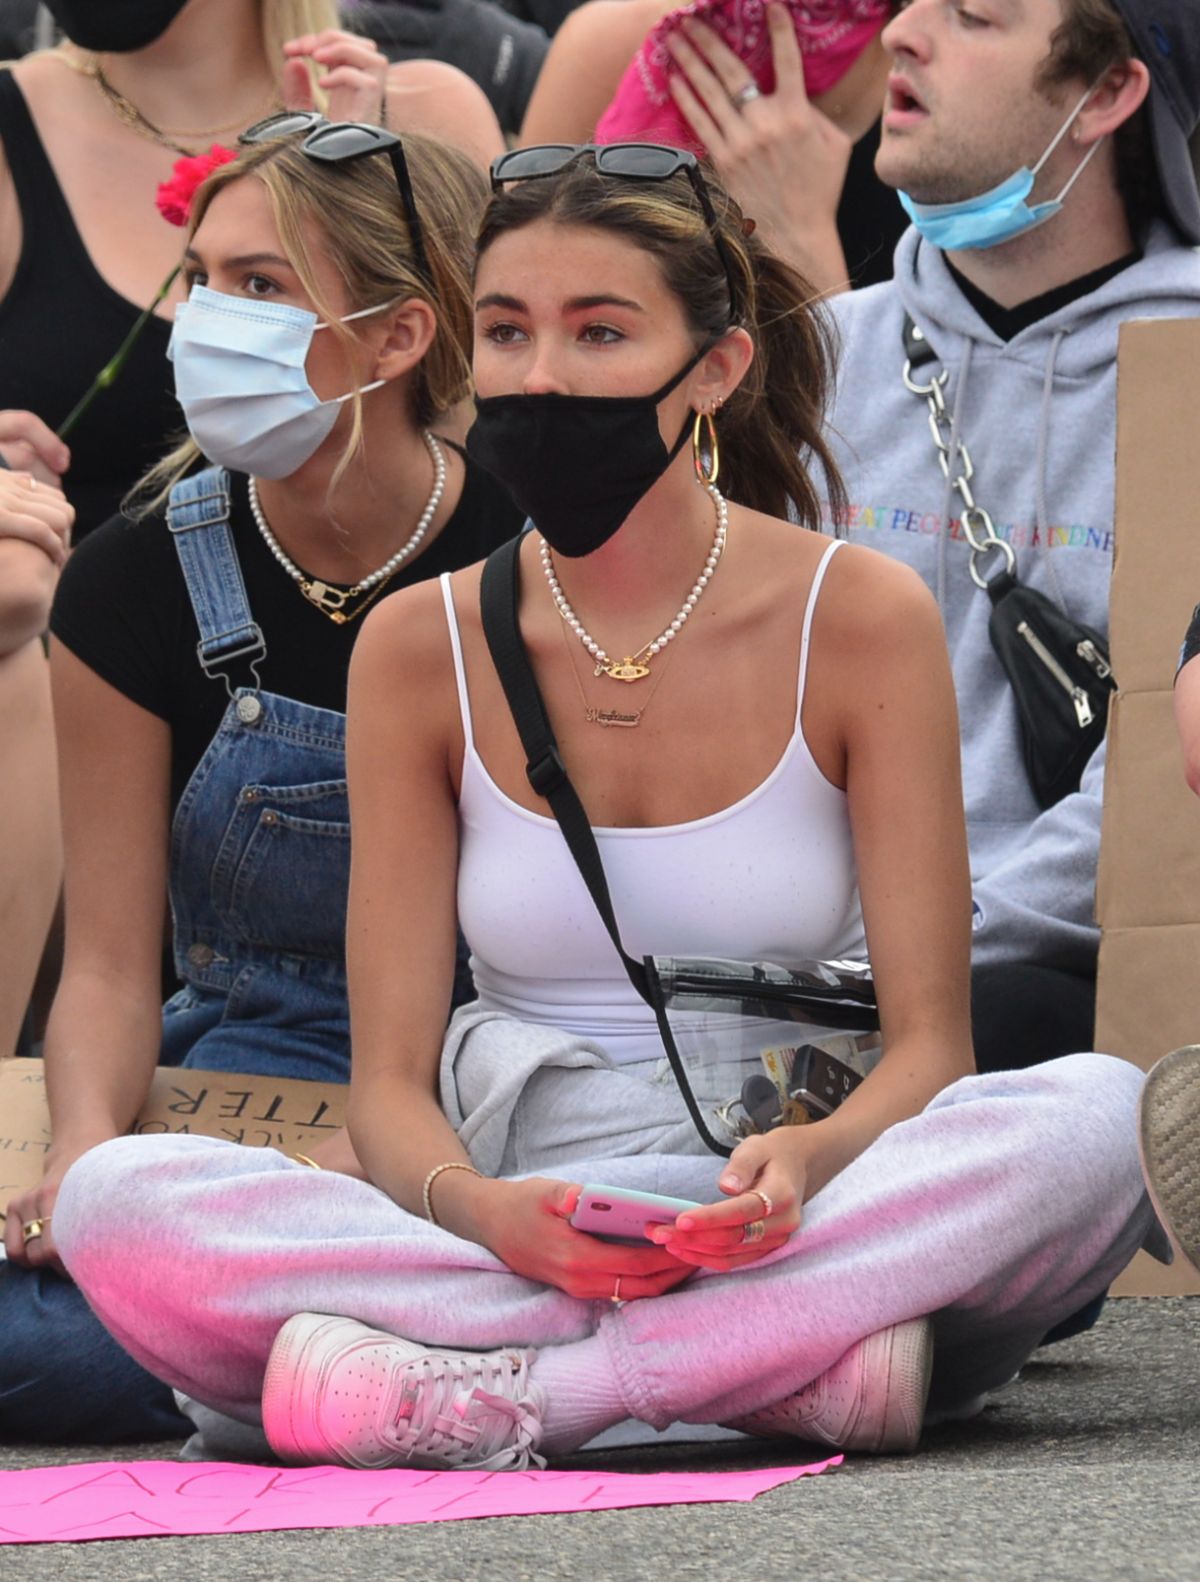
(706, 452)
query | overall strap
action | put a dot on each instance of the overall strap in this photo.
(198, 519)
(499, 591)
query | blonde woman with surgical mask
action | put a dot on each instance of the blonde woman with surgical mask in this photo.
(199, 662)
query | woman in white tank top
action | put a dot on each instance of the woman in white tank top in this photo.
(785, 746)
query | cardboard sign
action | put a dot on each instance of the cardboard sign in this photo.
(1148, 886)
(260, 1112)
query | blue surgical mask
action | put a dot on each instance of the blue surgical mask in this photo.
(1000, 213)
(241, 381)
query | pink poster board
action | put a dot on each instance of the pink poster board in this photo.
(143, 1499)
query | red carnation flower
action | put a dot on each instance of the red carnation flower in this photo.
(175, 196)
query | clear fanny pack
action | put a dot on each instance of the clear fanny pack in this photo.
(752, 1045)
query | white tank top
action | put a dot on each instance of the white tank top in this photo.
(770, 878)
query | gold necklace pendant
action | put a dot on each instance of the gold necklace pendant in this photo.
(613, 717)
(329, 601)
(627, 669)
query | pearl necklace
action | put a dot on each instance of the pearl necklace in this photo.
(637, 665)
(329, 600)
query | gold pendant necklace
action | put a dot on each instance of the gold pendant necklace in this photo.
(330, 599)
(636, 666)
(610, 718)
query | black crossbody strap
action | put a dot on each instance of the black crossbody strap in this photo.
(499, 594)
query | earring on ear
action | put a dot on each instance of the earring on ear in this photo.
(706, 452)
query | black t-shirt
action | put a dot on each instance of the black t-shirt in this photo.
(122, 608)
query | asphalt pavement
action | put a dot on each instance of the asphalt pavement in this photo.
(1085, 1470)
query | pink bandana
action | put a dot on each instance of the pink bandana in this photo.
(832, 34)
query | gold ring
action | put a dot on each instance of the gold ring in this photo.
(616, 1296)
(33, 1228)
(754, 1230)
(768, 1206)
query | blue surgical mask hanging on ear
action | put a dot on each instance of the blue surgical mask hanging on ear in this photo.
(1000, 213)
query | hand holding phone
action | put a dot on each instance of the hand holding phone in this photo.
(619, 1214)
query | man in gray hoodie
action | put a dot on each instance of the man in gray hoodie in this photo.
(1085, 108)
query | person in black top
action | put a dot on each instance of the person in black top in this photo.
(199, 661)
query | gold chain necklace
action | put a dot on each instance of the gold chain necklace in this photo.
(129, 114)
(626, 719)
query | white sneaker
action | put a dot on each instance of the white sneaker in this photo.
(1169, 1145)
(337, 1391)
(871, 1400)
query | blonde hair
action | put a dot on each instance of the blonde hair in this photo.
(357, 209)
(286, 19)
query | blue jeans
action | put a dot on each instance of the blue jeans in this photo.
(63, 1377)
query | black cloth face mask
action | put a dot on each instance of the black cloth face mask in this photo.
(576, 465)
(114, 26)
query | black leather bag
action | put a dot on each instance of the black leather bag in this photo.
(1058, 668)
(1061, 678)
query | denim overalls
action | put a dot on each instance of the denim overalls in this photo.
(260, 843)
(259, 872)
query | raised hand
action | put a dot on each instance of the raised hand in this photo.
(782, 160)
(353, 75)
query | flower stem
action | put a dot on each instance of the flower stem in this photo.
(111, 371)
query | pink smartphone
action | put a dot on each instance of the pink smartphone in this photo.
(618, 1214)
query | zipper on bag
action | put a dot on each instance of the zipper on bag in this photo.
(1091, 655)
(1083, 707)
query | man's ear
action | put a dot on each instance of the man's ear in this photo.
(410, 330)
(1119, 94)
(723, 368)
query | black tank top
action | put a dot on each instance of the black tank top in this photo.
(59, 325)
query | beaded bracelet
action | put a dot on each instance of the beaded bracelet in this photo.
(426, 1198)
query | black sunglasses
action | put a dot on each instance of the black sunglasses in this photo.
(335, 143)
(634, 162)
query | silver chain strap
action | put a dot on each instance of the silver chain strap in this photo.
(952, 454)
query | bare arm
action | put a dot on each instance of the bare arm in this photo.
(1187, 721)
(402, 900)
(105, 1027)
(879, 649)
(588, 57)
(401, 739)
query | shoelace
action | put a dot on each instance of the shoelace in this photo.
(450, 1409)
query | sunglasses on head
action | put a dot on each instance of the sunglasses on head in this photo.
(338, 142)
(632, 161)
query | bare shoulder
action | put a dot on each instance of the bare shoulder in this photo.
(872, 605)
(406, 637)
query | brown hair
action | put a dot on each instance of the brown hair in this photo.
(772, 423)
(1092, 37)
(357, 209)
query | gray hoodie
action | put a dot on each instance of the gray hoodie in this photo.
(1038, 415)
